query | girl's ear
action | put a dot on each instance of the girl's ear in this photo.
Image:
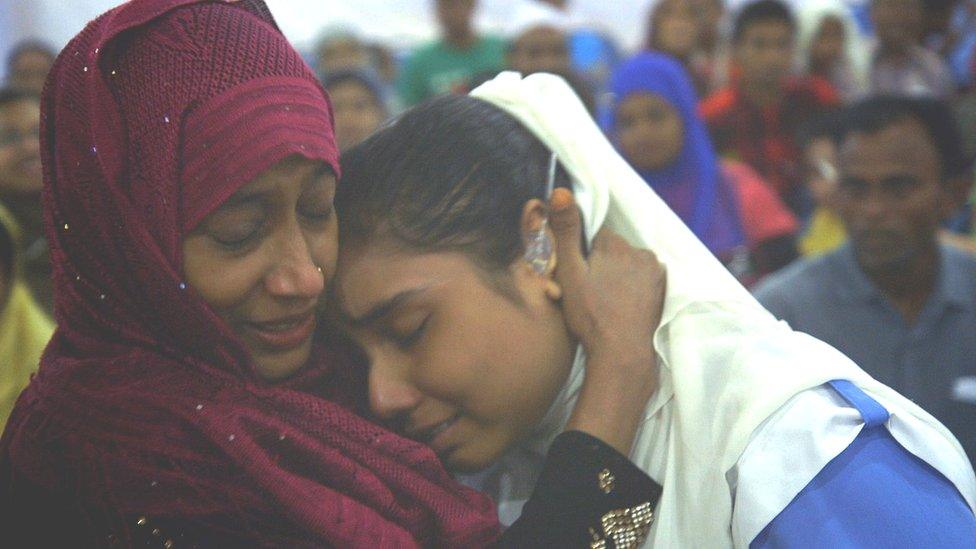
(539, 245)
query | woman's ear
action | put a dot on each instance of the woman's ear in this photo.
(539, 245)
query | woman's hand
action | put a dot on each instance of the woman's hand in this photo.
(612, 302)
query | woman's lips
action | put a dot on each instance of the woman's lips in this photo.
(284, 334)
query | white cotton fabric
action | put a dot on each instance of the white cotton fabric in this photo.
(816, 425)
(726, 365)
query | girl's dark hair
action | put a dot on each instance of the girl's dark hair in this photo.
(451, 174)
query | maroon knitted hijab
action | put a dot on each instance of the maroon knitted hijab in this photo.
(145, 404)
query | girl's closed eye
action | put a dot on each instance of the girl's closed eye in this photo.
(318, 214)
(316, 206)
(410, 332)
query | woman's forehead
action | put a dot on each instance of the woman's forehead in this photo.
(295, 169)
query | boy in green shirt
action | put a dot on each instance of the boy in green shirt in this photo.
(446, 65)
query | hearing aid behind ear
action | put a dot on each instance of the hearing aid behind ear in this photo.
(538, 249)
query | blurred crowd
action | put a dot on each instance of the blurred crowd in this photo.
(822, 151)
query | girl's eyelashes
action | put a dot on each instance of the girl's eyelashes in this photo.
(405, 341)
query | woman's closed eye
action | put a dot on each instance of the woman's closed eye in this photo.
(236, 232)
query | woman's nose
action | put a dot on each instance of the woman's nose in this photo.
(295, 274)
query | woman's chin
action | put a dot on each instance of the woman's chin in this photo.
(278, 366)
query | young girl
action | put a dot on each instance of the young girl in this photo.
(190, 167)
(761, 436)
(675, 28)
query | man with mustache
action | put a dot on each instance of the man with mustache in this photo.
(895, 300)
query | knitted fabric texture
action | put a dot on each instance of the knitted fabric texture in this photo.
(145, 403)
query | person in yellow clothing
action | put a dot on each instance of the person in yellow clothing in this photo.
(25, 327)
(824, 232)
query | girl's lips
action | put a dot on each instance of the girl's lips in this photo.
(284, 334)
(436, 437)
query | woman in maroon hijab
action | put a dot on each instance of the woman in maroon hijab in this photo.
(189, 167)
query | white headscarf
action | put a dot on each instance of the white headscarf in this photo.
(726, 365)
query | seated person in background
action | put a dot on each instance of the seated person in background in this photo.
(711, 19)
(339, 49)
(901, 66)
(448, 278)
(28, 65)
(962, 44)
(899, 303)
(592, 50)
(539, 46)
(358, 106)
(21, 182)
(825, 230)
(24, 327)
(831, 47)
(714, 26)
(654, 123)
(673, 28)
(755, 119)
(446, 65)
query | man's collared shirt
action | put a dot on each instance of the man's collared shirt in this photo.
(932, 361)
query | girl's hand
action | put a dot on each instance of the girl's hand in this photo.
(612, 302)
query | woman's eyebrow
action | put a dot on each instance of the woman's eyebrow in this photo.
(243, 199)
(384, 308)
